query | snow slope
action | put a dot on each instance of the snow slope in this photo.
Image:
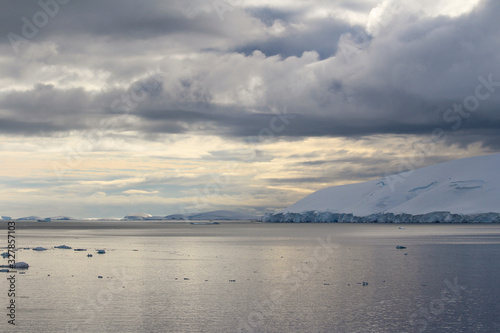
(465, 186)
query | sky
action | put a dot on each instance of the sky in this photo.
(114, 107)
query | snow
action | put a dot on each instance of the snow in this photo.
(464, 190)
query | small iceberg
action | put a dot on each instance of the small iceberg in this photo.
(63, 247)
(16, 265)
(399, 247)
(21, 264)
(101, 251)
(39, 248)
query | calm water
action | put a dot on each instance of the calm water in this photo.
(177, 277)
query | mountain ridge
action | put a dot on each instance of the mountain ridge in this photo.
(468, 186)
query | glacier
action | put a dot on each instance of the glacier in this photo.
(459, 191)
(329, 217)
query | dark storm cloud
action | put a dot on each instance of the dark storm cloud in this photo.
(113, 18)
(29, 128)
(65, 110)
(321, 36)
(403, 81)
(269, 15)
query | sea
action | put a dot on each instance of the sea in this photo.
(158, 276)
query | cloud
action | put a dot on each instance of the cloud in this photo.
(157, 82)
(140, 192)
(436, 62)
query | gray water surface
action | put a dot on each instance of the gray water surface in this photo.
(253, 277)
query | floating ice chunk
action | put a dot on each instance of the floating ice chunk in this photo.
(20, 264)
(39, 248)
(63, 247)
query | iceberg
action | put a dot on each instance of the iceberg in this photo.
(63, 247)
(433, 217)
(20, 264)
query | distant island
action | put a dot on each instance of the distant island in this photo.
(216, 215)
(219, 215)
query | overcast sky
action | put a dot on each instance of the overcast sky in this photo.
(116, 107)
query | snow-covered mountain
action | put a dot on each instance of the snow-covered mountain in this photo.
(469, 186)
